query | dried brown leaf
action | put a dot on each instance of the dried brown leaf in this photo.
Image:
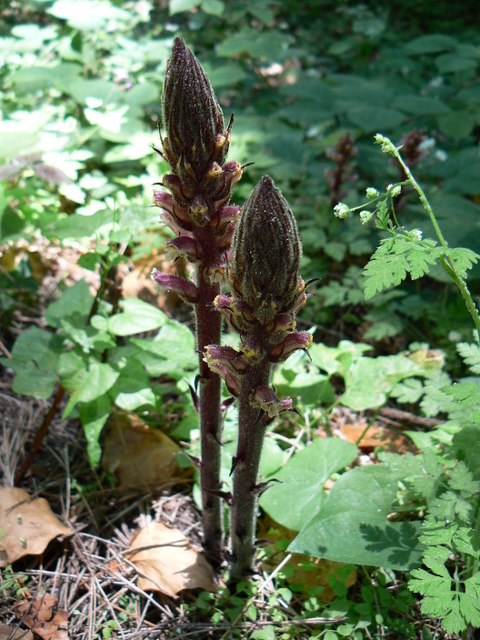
(39, 616)
(166, 562)
(139, 454)
(9, 632)
(27, 525)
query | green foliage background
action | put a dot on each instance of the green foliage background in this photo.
(81, 100)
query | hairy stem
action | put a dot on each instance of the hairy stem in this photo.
(209, 326)
(251, 431)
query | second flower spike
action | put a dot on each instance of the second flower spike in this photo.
(267, 252)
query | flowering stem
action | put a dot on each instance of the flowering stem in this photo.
(209, 325)
(446, 263)
(197, 210)
(251, 432)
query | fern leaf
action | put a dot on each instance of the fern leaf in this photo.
(463, 259)
(471, 355)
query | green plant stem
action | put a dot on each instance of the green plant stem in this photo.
(251, 432)
(464, 291)
(445, 261)
(209, 327)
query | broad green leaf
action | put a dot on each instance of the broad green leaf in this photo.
(79, 226)
(299, 496)
(373, 119)
(420, 106)
(434, 43)
(90, 384)
(35, 362)
(136, 316)
(34, 35)
(104, 91)
(337, 359)
(88, 15)
(225, 75)
(133, 389)
(458, 124)
(272, 456)
(140, 147)
(76, 300)
(267, 45)
(454, 63)
(141, 94)
(172, 351)
(312, 388)
(15, 143)
(371, 380)
(213, 7)
(352, 525)
(93, 416)
(178, 6)
(30, 380)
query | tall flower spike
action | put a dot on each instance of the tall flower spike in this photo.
(192, 117)
(267, 252)
(197, 210)
(267, 292)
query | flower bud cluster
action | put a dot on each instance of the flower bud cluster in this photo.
(266, 294)
(201, 181)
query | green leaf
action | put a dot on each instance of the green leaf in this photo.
(79, 226)
(421, 106)
(458, 124)
(35, 362)
(74, 301)
(371, 380)
(467, 448)
(311, 387)
(93, 416)
(463, 259)
(372, 119)
(464, 393)
(269, 45)
(137, 316)
(430, 44)
(409, 391)
(299, 496)
(384, 271)
(88, 383)
(266, 633)
(88, 15)
(172, 351)
(352, 525)
(178, 6)
(213, 7)
(133, 389)
(470, 354)
(394, 259)
(30, 380)
(454, 63)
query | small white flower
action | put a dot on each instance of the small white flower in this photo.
(387, 145)
(372, 193)
(427, 144)
(341, 210)
(365, 216)
(441, 155)
(416, 234)
(394, 190)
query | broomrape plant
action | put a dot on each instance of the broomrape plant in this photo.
(197, 211)
(266, 292)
